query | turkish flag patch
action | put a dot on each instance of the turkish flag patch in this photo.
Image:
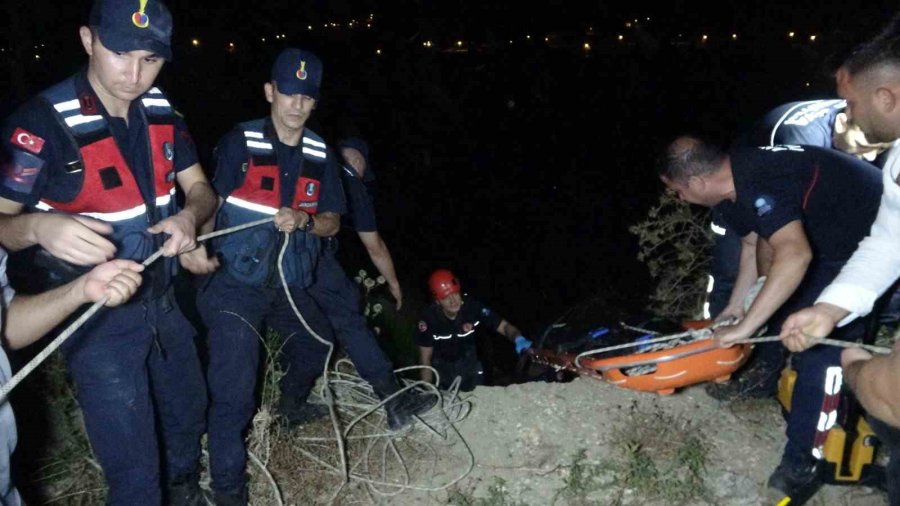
(27, 140)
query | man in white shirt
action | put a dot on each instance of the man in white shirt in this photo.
(870, 82)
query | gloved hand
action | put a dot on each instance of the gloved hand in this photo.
(522, 344)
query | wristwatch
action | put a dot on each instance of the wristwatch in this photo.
(310, 224)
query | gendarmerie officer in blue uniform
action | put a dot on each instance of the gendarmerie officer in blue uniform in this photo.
(272, 166)
(338, 297)
(108, 147)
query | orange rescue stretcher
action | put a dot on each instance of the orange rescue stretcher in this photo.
(661, 371)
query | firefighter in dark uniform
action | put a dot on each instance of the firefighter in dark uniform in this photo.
(448, 329)
(107, 147)
(338, 297)
(812, 205)
(821, 123)
(269, 167)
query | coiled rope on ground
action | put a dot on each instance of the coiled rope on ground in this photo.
(349, 397)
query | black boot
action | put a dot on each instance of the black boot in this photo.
(797, 482)
(185, 491)
(296, 413)
(402, 408)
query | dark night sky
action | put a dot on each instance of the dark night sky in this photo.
(519, 165)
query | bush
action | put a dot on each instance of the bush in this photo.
(675, 243)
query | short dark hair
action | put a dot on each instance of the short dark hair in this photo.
(687, 157)
(883, 49)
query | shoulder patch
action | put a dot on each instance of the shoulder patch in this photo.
(764, 204)
(485, 311)
(422, 326)
(27, 140)
(20, 171)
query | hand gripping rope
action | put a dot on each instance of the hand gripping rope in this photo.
(452, 408)
(59, 340)
(707, 334)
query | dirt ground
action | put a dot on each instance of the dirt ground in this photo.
(526, 440)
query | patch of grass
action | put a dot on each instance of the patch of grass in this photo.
(659, 458)
(498, 495)
(662, 456)
(68, 474)
(584, 478)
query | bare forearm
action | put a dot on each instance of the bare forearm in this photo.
(508, 330)
(787, 271)
(747, 273)
(210, 224)
(326, 224)
(17, 231)
(200, 202)
(876, 383)
(380, 255)
(30, 317)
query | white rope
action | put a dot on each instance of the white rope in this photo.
(706, 333)
(880, 350)
(354, 399)
(74, 326)
(693, 334)
(353, 387)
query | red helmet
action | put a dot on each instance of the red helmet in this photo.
(442, 283)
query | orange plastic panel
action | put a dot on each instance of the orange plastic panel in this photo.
(676, 367)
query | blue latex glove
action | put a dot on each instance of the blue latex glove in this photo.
(522, 344)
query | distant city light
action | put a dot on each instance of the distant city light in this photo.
(459, 43)
(263, 39)
(195, 42)
(368, 25)
(378, 52)
(648, 19)
(791, 35)
(733, 36)
(621, 37)
(546, 39)
(704, 38)
(812, 38)
(807, 84)
(510, 42)
(528, 37)
(37, 57)
(427, 43)
(309, 27)
(587, 46)
(628, 24)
